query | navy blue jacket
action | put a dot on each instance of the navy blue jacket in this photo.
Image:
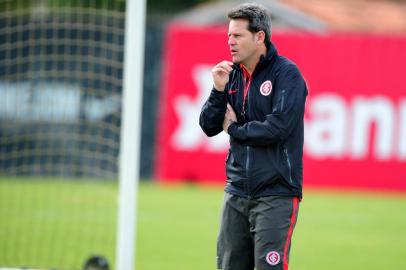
(266, 143)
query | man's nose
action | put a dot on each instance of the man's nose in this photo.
(231, 41)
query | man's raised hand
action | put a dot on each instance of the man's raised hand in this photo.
(221, 74)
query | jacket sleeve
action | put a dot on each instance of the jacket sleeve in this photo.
(212, 114)
(287, 112)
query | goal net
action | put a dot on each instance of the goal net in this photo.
(60, 105)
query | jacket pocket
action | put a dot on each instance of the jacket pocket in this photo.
(288, 163)
(282, 102)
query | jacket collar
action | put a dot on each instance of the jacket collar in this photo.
(270, 56)
(264, 60)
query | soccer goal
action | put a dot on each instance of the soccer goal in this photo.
(61, 106)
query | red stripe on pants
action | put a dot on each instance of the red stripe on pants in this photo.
(290, 231)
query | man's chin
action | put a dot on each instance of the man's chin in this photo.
(236, 60)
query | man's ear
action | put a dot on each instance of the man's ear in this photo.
(260, 37)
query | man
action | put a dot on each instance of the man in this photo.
(259, 100)
(96, 263)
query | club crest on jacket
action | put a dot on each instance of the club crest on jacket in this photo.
(266, 88)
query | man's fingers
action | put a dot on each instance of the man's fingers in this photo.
(224, 66)
(230, 109)
(224, 69)
(221, 70)
(228, 65)
(221, 73)
(230, 114)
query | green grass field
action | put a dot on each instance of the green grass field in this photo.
(58, 223)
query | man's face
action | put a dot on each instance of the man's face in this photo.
(241, 42)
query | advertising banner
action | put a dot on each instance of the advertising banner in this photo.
(355, 122)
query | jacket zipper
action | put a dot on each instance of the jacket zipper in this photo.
(285, 150)
(247, 85)
(247, 165)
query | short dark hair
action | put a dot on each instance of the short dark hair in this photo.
(258, 18)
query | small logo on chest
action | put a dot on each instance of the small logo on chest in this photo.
(266, 88)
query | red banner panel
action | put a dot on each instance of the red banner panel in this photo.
(355, 122)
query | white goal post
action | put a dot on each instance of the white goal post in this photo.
(130, 134)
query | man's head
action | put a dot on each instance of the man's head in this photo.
(249, 31)
(96, 263)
